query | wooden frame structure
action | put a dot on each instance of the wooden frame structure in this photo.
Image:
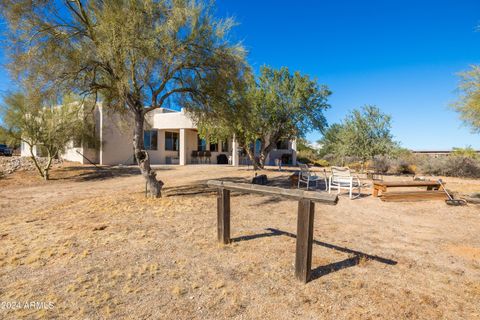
(434, 190)
(306, 213)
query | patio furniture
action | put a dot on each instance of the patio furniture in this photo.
(342, 178)
(222, 159)
(306, 176)
(434, 190)
(201, 156)
(194, 156)
(208, 156)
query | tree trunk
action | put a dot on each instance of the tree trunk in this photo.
(34, 159)
(46, 169)
(251, 155)
(265, 150)
(141, 155)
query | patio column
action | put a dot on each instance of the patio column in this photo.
(294, 152)
(235, 158)
(182, 148)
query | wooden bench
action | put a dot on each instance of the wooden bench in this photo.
(434, 190)
(306, 211)
(393, 196)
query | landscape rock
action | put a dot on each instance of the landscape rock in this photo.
(9, 165)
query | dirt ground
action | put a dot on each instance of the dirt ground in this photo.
(89, 245)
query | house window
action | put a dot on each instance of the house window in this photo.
(214, 147)
(202, 144)
(224, 146)
(282, 144)
(171, 141)
(150, 139)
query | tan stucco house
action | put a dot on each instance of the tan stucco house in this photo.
(171, 137)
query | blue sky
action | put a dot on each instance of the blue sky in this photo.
(400, 55)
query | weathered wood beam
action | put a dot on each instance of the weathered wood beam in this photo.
(223, 216)
(295, 194)
(303, 258)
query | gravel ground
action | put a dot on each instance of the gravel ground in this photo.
(90, 243)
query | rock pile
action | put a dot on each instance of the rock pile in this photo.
(9, 165)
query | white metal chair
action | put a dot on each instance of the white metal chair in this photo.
(342, 178)
(306, 176)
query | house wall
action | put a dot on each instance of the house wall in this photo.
(115, 139)
(115, 136)
(168, 119)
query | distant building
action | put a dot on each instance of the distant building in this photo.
(436, 153)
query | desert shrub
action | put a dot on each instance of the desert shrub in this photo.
(454, 166)
(381, 164)
(357, 166)
(467, 152)
(402, 166)
(332, 159)
(321, 163)
(307, 156)
(304, 160)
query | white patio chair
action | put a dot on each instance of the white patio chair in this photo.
(306, 176)
(342, 178)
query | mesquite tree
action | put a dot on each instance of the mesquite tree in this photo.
(135, 55)
(363, 134)
(45, 127)
(277, 105)
(468, 105)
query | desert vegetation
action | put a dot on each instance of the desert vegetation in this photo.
(91, 243)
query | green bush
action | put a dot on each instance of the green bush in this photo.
(304, 160)
(321, 163)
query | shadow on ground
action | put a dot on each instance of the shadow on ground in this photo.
(321, 271)
(94, 173)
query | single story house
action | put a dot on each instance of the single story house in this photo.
(170, 137)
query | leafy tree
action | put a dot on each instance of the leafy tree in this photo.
(305, 152)
(3, 135)
(136, 55)
(278, 105)
(49, 128)
(363, 134)
(366, 133)
(329, 143)
(468, 105)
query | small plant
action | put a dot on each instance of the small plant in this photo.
(321, 163)
(381, 164)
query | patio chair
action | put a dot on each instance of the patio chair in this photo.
(306, 176)
(208, 156)
(342, 178)
(194, 156)
(201, 156)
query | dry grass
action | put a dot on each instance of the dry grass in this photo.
(96, 248)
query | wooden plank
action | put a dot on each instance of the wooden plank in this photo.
(392, 196)
(303, 258)
(296, 194)
(223, 216)
(412, 183)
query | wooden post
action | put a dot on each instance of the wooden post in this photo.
(303, 258)
(223, 215)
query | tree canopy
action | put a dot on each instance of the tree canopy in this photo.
(277, 105)
(363, 134)
(468, 105)
(48, 128)
(134, 55)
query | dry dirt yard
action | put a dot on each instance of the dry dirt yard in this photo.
(91, 244)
